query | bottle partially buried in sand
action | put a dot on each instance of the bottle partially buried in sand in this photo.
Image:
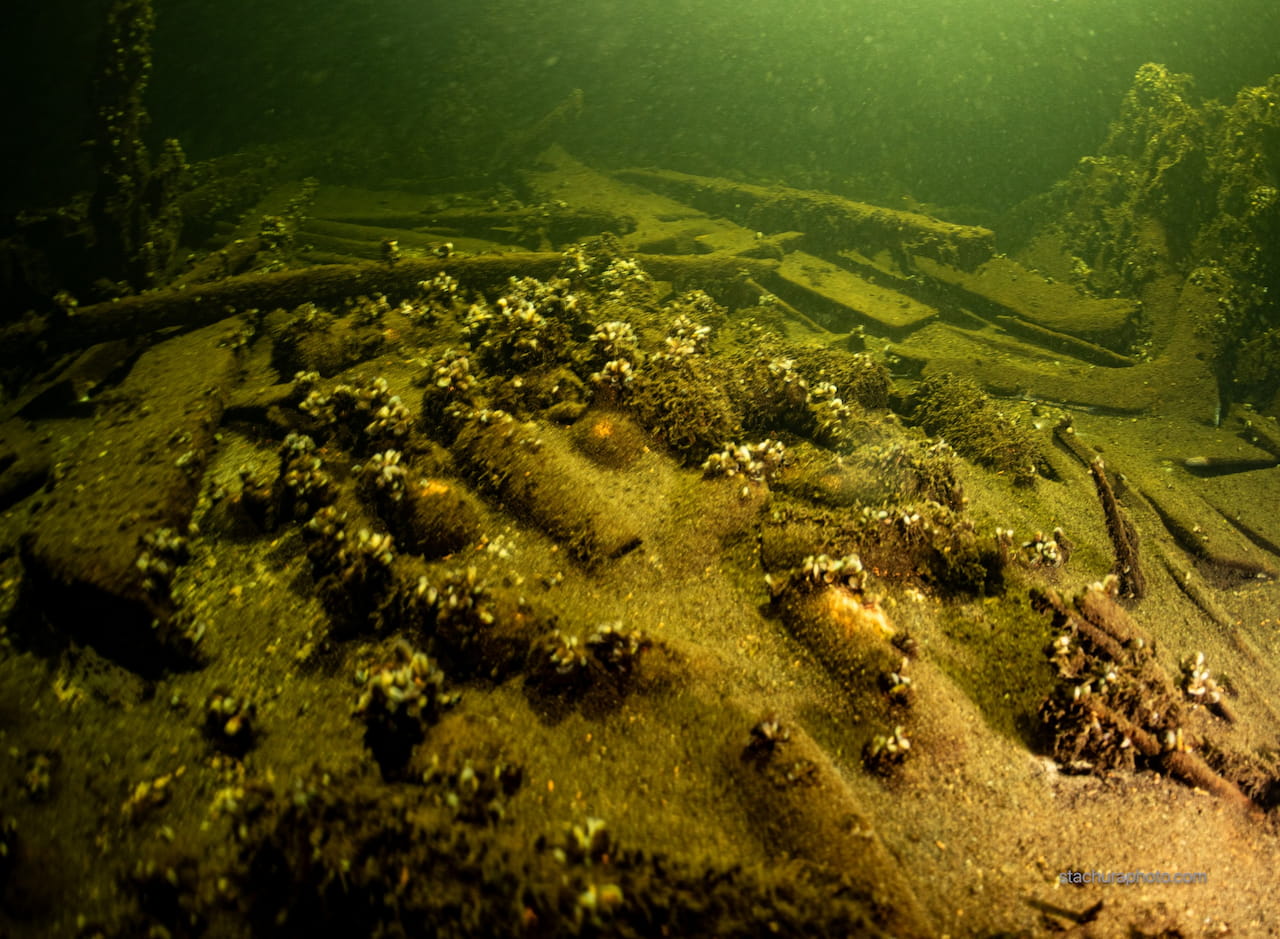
(535, 470)
(825, 603)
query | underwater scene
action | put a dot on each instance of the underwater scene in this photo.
(640, 469)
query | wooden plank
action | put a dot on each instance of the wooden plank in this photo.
(388, 208)
(209, 303)
(136, 472)
(832, 223)
(1003, 287)
(1007, 367)
(844, 299)
(659, 224)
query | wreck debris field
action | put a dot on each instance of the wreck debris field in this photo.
(456, 528)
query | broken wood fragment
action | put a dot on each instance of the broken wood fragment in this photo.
(1182, 764)
(524, 144)
(1124, 537)
(1003, 288)
(845, 298)
(830, 222)
(1103, 625)
(135, 474)
(1063, 342)
(205, 304)
(529, 227)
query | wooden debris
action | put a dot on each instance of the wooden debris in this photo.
(199, 306)
(1124, 537)
(137, 472)
(367, 216)
(647, 222)
(1109, 635)
(1008, 366)
(1025, 300)
(1050, 601)
(1182, 764)
(845, 299)
(830, 222)
(1224, 553)
(523, 145)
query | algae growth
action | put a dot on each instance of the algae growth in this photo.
(634, 552)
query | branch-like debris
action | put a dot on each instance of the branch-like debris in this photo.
(1124, 537)
(208, 303)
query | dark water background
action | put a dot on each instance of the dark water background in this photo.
(958, 102)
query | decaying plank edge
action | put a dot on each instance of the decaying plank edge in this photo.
(210, 303)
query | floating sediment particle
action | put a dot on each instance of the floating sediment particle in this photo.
(824, 602)
(532, 467)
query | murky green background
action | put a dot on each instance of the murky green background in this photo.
(977, 102)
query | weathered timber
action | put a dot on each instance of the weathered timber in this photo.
(1009, 367)
(1124, 537)
(1064, 343)
(1181, 764)
(523, 145)
(199, 306)
(400, 212)
(656, 224)
(137, 471)
(1225, 551)
(845, 299)
(832, 223)
(1004, 288)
